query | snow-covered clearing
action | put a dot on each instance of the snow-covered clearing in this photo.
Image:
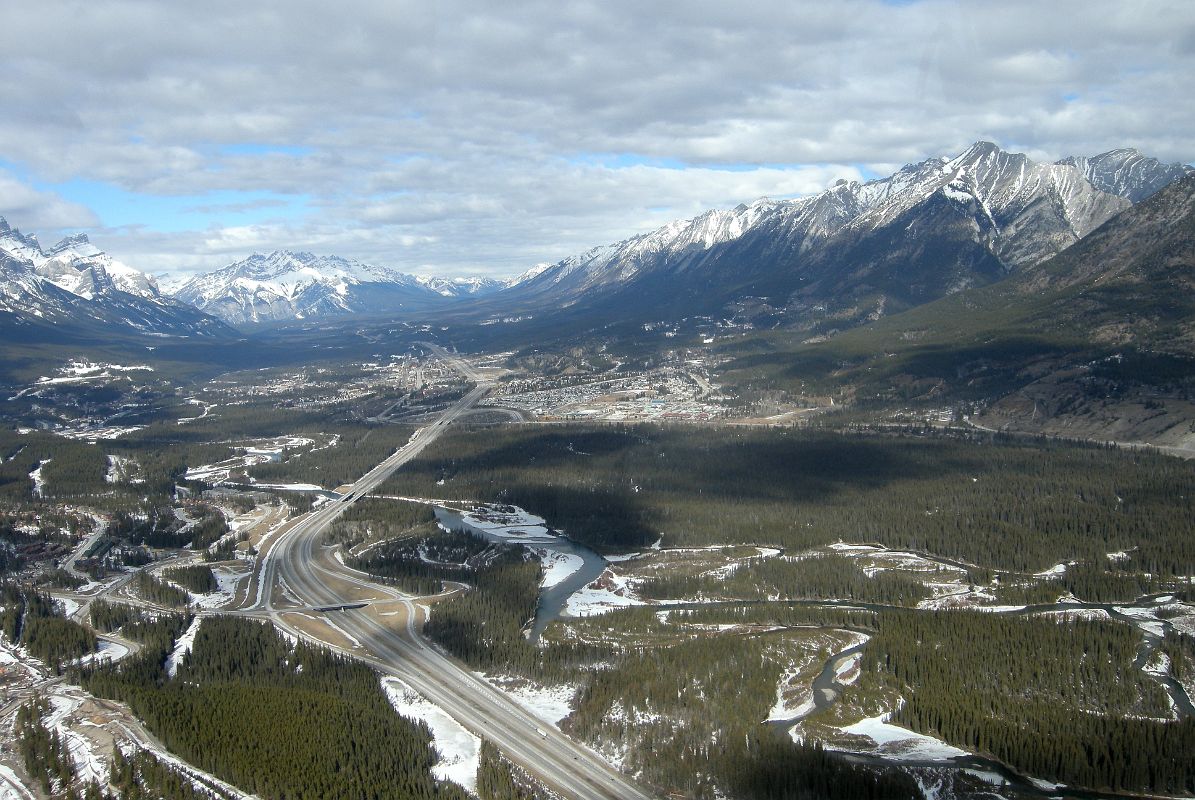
(39, 483)
(855, 548)
(64, 702)
(207, 409)
(1146, 619)
(67, 605)
(93, 433)
(122, 469)
(182, 646)
(608, 592)
(106, 652)
(459, 750)
(260, 452)
(508, 522)
(228, 581)
(548, 703)
(81, 371)
(1054, 571)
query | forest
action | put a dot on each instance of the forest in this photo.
(29, 617)
(242, 704)
(684, 698)
(1060, 700)
(1010, 505)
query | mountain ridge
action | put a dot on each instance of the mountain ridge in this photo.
(74, 289)
(848, 253)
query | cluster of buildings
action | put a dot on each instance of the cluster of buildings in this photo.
(663, 394)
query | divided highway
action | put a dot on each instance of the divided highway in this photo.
(563, 765)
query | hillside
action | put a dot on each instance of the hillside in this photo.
(1097, 342)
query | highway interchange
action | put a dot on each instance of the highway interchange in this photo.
(293, 563)
(292, 556)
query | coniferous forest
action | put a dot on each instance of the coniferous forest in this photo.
(276, 719)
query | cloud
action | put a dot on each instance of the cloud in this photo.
(471, 136)
(35, 210)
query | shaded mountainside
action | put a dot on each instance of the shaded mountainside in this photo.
(857, 251)
(1098, 341)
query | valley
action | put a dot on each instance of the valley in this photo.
(882, 492)
(778, 560)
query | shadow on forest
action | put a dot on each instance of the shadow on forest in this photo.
(598, 518)
(608, 487)
(797, 468)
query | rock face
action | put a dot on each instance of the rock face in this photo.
(74, 289)
(285, 286)
(1126, 173)
(856, 251)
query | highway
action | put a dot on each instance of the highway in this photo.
(294, 556)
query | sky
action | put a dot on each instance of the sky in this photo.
(481, 138)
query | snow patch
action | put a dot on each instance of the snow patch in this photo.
(548, 703)
(459, 751)
(182, 646)
(507, 522)
(558, 566)
(39, 483)
(227, 584)
(607, 593)
(894, 740)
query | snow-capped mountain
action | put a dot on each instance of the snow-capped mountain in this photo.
(1127, 173)
(473, 286)
(76, 265)
(528, 274)
(77, 287)
(859, 249)
(284, 286)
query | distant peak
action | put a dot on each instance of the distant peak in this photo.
(69, 242)
(983, 146)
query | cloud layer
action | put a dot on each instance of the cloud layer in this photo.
(462, 137)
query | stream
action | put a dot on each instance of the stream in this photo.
(552, 599)
(826, 686)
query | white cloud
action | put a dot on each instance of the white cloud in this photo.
(34, 210)
(458, 135)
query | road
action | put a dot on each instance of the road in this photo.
(292, 556)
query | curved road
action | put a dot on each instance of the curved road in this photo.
(562, 764)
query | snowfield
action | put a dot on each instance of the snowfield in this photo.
(608, 592)
(182, 647)
(508, 522)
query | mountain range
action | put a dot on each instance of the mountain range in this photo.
(1097, 342)
(858, 251)
(820, 264)
(74, 290)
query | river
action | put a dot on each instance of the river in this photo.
(552, 599)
